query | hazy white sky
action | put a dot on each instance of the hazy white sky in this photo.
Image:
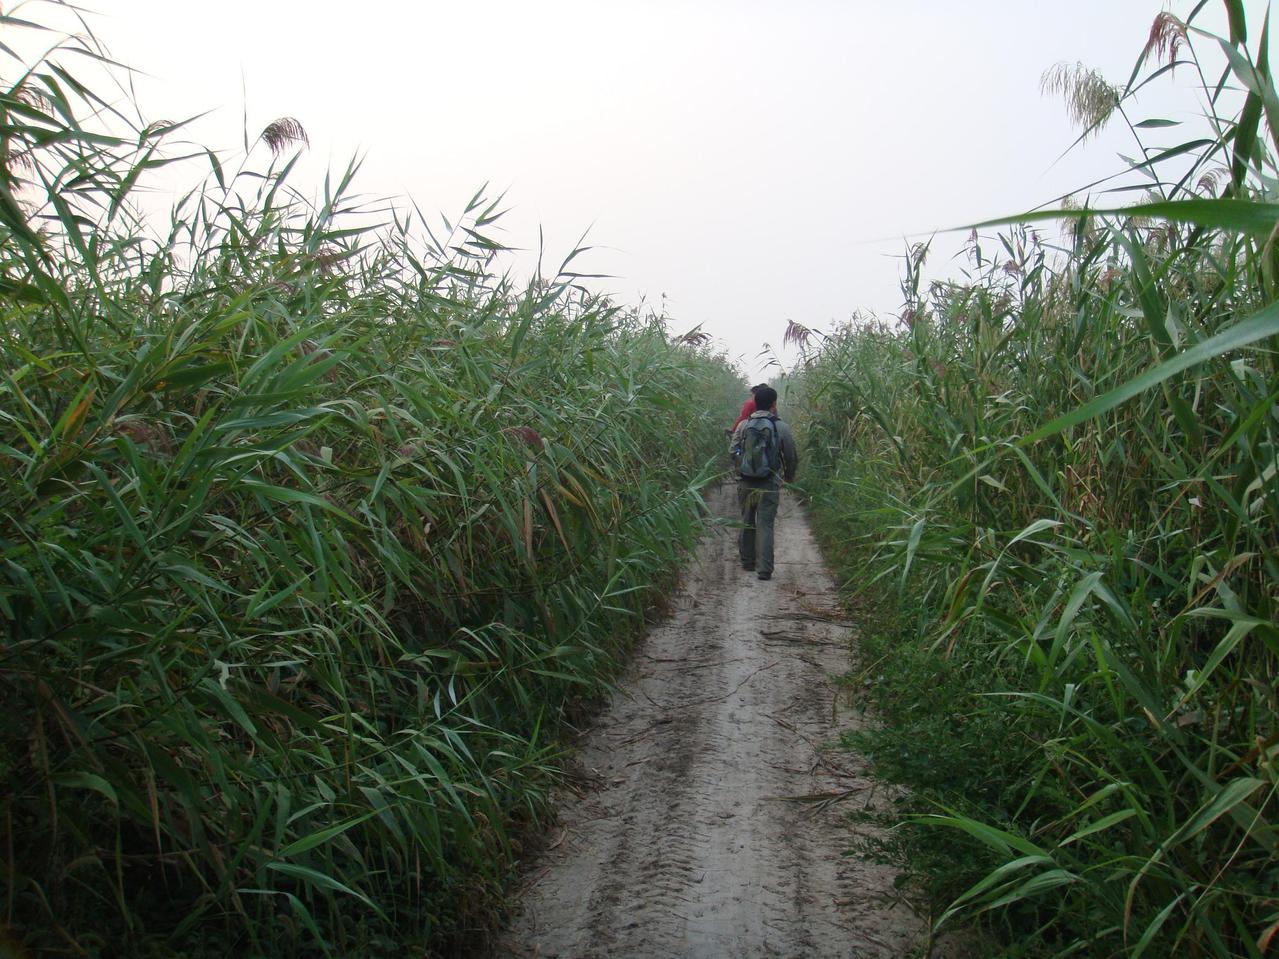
(753, 161)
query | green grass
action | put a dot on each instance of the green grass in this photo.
(311, 532)
(1057, 481)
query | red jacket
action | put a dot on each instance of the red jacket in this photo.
(747, 409)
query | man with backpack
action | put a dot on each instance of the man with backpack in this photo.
(763, 450)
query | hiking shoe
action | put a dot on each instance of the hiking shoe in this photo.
(763, 575)
(749, 567)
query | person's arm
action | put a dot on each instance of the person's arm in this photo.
(735, 442)
(790, 455)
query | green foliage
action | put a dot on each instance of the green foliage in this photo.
(311, 532)
(1062, 477)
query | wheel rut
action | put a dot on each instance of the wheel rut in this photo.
(713, 822)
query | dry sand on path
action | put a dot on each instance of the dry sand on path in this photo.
(696, 831)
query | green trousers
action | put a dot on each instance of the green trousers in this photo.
(758, 505)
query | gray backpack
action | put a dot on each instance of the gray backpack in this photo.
(761, 448)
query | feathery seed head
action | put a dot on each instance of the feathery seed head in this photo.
(282, 133)
(797, 334)
(694, 337)
(526, 435)
(1211, 180)
(1167, 36)
(1090, 100)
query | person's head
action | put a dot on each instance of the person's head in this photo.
(765, 398)
(757, 387)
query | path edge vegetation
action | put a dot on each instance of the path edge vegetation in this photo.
(315, 524)
(1052, 487)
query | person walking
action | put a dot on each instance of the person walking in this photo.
(763, 450)
(747, 408)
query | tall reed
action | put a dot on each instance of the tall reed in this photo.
(311, 532)
(1061, 474)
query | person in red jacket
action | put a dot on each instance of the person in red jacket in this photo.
(748, 407)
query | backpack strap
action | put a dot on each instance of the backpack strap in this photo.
(777, 444)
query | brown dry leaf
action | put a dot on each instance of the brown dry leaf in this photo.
(528, 529)
(555, 519)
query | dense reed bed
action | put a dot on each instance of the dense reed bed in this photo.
(1056, 481)
(312, 531)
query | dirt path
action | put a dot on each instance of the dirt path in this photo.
(696, 831)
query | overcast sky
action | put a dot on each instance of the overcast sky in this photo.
(752, 161)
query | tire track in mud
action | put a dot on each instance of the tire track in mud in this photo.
(697, 833)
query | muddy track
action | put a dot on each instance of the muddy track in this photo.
(708, 821)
